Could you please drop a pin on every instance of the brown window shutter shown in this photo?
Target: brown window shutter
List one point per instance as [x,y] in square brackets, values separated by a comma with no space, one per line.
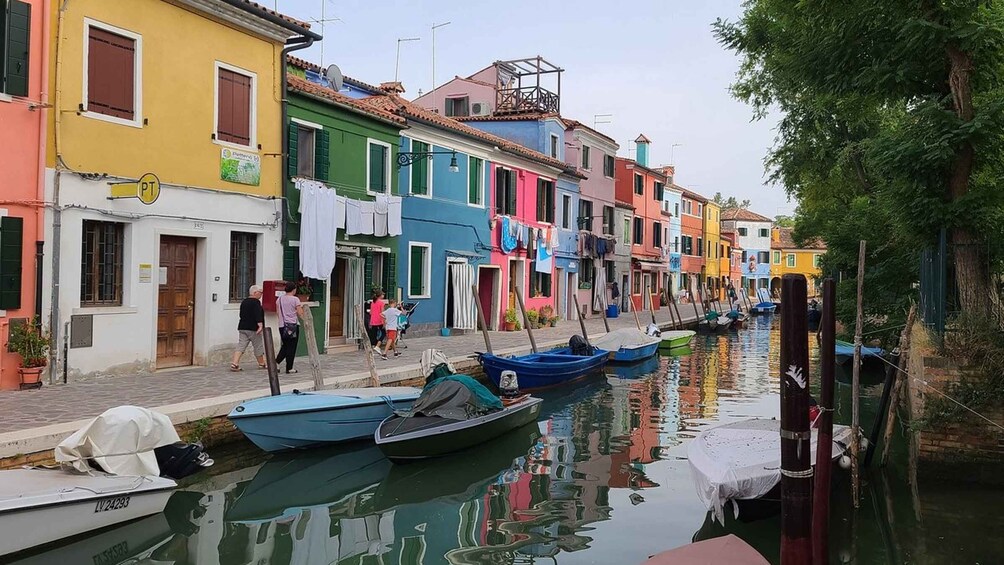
[110,74]
[234,121]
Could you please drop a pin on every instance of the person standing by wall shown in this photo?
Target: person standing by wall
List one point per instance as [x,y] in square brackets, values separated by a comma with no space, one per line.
[392,319]
[289,308]
[249,329]
[376,329]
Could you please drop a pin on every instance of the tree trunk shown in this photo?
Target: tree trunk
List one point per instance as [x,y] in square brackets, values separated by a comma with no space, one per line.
[971,275]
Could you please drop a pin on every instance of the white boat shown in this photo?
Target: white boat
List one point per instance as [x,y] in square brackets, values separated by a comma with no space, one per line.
[741,461]
[42,505]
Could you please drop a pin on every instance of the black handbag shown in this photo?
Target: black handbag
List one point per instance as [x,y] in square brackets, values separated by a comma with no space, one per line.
[287,331]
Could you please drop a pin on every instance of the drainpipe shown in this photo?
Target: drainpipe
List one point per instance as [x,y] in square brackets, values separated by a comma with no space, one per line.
[54,328]
[43,124]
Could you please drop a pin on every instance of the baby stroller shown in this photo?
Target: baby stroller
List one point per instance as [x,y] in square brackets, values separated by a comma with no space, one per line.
[404,322]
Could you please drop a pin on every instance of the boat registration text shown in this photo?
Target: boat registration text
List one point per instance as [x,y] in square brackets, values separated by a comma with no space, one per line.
[111,504]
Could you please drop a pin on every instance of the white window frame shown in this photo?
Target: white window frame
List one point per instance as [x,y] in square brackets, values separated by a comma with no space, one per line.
[555,149]
[775,257]
[790,260]
[427,278]
[253,144]
[761,230]
[316,128]
[390,183]
[137,88]
[481,182]
[432,162]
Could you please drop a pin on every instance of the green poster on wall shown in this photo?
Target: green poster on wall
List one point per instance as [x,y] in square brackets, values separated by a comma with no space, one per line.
[240,167]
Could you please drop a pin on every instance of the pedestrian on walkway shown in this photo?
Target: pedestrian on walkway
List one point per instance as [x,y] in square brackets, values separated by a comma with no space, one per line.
[249,329]
[392,321]
[289,309]
[376,328]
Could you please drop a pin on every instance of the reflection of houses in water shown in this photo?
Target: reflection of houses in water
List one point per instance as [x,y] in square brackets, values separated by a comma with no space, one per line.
[709,382]
[647,403]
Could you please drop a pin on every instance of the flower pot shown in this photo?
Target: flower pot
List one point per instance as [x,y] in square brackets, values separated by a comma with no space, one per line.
[510,326]
[554,323]
[31,377]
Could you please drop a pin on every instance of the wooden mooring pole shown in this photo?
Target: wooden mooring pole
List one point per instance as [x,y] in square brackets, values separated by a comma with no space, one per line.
[481,319]
[796,472]
[582,323]
[367,348]
[526,320]
[651,304]
[313,355]
[856,383]
[271,366]
[821,486]
[904,359]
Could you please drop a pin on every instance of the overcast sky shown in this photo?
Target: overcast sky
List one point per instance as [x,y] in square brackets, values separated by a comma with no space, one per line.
[653,64]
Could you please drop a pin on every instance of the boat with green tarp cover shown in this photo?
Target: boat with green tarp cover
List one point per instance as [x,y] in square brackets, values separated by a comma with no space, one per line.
[453,412]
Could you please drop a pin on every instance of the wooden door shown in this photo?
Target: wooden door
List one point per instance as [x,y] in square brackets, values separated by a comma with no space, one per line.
[176,303]
[515,274]
[336,293]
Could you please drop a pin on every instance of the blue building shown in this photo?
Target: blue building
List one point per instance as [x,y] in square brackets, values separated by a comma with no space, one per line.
[672,199]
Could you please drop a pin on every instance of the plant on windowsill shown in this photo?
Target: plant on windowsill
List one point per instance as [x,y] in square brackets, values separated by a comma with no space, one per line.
[510,319]
[31,342]
[304,289]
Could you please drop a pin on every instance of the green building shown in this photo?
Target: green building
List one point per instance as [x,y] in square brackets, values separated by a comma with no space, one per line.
[352,148]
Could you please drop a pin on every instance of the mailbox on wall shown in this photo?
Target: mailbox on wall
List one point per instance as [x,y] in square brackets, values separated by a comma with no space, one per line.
[271,290]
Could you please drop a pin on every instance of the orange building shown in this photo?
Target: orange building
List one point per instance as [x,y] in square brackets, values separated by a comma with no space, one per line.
[644,188]
[692,240]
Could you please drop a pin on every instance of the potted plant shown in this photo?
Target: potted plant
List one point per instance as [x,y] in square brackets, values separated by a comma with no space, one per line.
[510,319]
[546,311]
[304,289]
[554,321]
[31,342]
[534,318]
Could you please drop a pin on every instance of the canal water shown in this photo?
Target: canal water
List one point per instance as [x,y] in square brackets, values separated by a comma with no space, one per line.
[602,478]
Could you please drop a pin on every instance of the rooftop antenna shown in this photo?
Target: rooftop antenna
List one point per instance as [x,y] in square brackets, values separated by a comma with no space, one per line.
[672,151]
[397,62]
[602,119]
[324,19]
[434,28]
[334,76]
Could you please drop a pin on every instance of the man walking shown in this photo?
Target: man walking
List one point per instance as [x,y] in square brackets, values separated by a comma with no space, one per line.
[249,329]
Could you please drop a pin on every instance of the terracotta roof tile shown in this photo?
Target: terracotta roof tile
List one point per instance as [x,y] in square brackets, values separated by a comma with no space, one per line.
[305,86]
[786,241]
[634,164]
[575,124]
[527,117]
[307,65]
[642,139]
[289,19]
[692,195]
[397,105]
[743,214]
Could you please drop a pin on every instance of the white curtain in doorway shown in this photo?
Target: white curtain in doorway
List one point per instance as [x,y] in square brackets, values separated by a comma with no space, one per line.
[353,296]
[461,281]
[599,288]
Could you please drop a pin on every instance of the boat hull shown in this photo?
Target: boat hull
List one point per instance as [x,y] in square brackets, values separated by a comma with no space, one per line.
[624,355]
[315,424]
[453,435]
[678,338]
[542,370]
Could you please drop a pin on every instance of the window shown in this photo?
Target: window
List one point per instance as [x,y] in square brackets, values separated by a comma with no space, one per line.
[816,260]
[540,283]
[378,166]
[585,157]
[112,74]
[742,231]
[627,231]
[676,244]
[419,269]
[608,221]
[15,29]
[545,200]
[700,247]
[791,259]
[688,245]
[505,191]
[688,207]
[636,282]
[777,257]
[421,170]
[587,273]
[700,209]
[475,181]
[586,215]
[554,146]
[763,257]
[639,184]
[659,191]
[639,231]
[656,234]
[744,257]
[608,166]
[101,263]
[764,232]
[11,247]
[608,266]
[676,209]
[304,152]
[235,103]
[457,106]
[243,264]
[566,211]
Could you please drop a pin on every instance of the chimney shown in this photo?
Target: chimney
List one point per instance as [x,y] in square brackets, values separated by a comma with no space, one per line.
[641,150]
[392,87]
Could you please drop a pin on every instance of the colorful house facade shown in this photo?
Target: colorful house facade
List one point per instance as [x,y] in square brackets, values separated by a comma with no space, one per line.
[802,258]
[23,115]
[712,249]
[731,262]
[753,231]
[691,240]
[672,202]
[623,222]
[645,189]
[164,164]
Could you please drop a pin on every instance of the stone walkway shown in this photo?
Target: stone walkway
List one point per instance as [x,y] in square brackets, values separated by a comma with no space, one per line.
[50,409]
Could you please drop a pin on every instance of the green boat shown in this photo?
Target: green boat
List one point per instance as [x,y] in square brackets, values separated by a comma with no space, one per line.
[676,338]
[452,414]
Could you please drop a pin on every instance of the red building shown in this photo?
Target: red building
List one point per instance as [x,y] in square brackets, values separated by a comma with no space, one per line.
[692,239]
[644,188]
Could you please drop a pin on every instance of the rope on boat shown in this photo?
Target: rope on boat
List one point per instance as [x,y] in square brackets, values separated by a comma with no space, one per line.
[797,474]
[931,387]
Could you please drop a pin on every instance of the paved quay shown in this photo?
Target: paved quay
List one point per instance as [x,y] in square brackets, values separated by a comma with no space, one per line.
[37,420]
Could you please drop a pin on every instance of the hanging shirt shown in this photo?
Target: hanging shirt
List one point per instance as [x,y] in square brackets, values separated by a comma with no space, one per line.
[353,217]
[508,238]
[317,229]
[380,212]
[366,212]
[394,215]
[339,212]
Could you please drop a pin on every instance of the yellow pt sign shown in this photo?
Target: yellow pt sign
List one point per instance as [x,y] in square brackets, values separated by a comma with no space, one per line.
[146,189]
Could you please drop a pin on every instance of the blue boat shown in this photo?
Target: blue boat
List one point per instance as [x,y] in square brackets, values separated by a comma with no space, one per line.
[766,305]
[624,371]
[542,370]
[628,345]
[844,352]
[299,420]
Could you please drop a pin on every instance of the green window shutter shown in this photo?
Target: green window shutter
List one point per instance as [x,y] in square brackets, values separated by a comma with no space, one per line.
[322,142]
[16,44]
[420,169]
[417,263]
[368,282]
[390,274]
[378,166]
[291,152]
[11,235]
[475,173]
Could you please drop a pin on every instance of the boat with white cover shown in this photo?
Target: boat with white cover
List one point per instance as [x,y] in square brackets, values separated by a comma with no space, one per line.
[741,461]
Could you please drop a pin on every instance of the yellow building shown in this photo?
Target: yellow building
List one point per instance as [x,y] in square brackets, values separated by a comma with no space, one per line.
[713,248]
[165,152]
[788,257]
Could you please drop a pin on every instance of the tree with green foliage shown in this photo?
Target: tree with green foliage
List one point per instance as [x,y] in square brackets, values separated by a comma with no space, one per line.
[891,130]
[730,202]
[784,221]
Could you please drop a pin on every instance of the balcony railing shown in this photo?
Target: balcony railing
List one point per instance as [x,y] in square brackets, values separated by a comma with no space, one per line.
[526,99]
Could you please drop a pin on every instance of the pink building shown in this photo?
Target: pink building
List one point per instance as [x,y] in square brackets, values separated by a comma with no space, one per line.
[23,116]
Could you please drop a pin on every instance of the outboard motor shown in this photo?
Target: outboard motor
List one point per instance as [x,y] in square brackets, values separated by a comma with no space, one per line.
[578,346]
[179,460]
